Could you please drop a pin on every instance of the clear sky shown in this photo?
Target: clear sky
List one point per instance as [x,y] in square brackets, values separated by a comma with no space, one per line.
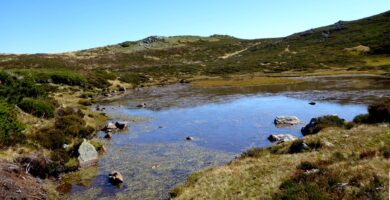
[37,26]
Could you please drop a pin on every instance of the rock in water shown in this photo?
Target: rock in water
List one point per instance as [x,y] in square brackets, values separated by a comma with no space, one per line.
[142,105]
[110,127]
[279,138]
[87,154]
[286,120]
[108,136]
[115,178]
[121,125]
[189,138]
[312,103]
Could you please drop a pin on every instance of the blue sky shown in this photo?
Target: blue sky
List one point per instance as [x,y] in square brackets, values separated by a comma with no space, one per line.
[37,26]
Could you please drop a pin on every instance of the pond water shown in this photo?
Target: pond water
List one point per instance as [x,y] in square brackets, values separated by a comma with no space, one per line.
[154,155]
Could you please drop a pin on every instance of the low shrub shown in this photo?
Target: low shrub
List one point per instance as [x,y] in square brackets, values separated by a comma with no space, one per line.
[298,146]
[14,88]
[379,112]
[367,154]
[360,119]
[316,185]
[372,190]
[253,153]
[68,78]
[133,78]
[37,107]
[10,128]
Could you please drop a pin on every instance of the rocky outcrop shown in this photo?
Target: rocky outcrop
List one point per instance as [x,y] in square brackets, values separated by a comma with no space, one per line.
[280,138]
[115,177]
[87,154]
[286,120]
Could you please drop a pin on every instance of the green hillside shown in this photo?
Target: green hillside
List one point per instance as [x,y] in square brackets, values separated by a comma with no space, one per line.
[354,45]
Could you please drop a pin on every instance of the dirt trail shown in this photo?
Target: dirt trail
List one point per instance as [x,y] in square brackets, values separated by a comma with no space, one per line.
[228,55]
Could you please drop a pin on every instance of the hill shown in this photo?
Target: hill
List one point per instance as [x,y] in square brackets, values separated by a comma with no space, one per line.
[361,45]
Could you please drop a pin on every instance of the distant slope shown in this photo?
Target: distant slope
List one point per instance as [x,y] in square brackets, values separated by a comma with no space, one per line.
[333,46]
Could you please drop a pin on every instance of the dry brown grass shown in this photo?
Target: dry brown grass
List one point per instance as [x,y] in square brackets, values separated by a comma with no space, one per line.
[260,177]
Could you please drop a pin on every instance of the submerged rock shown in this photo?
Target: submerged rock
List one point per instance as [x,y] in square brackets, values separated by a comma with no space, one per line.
[279,138]
[286,120]
[115,178]
[87,154]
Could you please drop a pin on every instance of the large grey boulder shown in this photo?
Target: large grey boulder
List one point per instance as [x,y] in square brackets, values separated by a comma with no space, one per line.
[280,138]
[87,154]
[286,120]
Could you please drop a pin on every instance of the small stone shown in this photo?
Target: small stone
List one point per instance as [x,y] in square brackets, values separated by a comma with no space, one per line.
[280,138]
[108,136]
[328,144]
[312,171]
[115,178]
[121,125]
[312,103]
[189,138]
[142,105]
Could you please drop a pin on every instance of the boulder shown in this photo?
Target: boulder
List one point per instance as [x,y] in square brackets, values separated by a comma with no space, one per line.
[121,125]
[280,138]
[115,178]
[286,120]
[87,154]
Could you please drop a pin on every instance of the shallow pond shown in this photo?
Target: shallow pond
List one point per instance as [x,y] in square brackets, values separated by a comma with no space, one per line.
[154,156]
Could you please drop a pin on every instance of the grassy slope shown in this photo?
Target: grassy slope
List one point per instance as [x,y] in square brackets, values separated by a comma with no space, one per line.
[260,176]
[189,56]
